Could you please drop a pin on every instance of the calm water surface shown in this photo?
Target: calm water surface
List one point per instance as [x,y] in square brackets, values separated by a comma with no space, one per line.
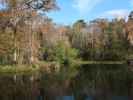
[91,82]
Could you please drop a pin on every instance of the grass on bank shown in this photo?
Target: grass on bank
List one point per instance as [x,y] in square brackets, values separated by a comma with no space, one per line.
[18,69]
[23,69]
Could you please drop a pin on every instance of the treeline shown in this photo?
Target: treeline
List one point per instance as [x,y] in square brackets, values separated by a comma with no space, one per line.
[28,37]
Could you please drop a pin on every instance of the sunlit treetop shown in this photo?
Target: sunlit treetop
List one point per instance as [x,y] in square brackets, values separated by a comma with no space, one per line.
[131,15]
[44,5]
[25,7]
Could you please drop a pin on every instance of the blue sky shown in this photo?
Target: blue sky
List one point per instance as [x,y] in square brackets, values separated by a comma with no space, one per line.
[72,10]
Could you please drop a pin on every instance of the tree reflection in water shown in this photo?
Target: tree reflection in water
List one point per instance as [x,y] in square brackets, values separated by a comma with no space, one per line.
[93,82]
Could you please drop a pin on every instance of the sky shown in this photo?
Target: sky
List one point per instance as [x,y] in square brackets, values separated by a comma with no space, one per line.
[72,10]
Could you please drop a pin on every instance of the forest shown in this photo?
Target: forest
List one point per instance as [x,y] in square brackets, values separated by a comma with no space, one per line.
[26,37]
[30,41]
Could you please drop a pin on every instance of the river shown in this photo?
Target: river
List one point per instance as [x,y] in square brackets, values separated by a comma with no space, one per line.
[91,82]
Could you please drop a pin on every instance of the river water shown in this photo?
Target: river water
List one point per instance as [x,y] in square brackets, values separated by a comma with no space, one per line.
[90,82]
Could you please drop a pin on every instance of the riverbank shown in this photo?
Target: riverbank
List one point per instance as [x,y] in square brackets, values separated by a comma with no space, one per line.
[47,66]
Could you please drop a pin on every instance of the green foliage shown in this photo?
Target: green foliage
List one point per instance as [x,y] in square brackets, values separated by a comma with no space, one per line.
[61,53]
[115,48]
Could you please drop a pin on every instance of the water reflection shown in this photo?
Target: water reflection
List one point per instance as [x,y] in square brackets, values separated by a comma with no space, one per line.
[65,98]
[91,83]
[91,98]
[120,98]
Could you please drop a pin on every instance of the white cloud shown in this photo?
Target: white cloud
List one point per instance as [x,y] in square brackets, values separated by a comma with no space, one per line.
[117,13]
[85,6]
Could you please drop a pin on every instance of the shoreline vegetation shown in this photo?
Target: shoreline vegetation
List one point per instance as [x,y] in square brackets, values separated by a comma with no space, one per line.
[36,67]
